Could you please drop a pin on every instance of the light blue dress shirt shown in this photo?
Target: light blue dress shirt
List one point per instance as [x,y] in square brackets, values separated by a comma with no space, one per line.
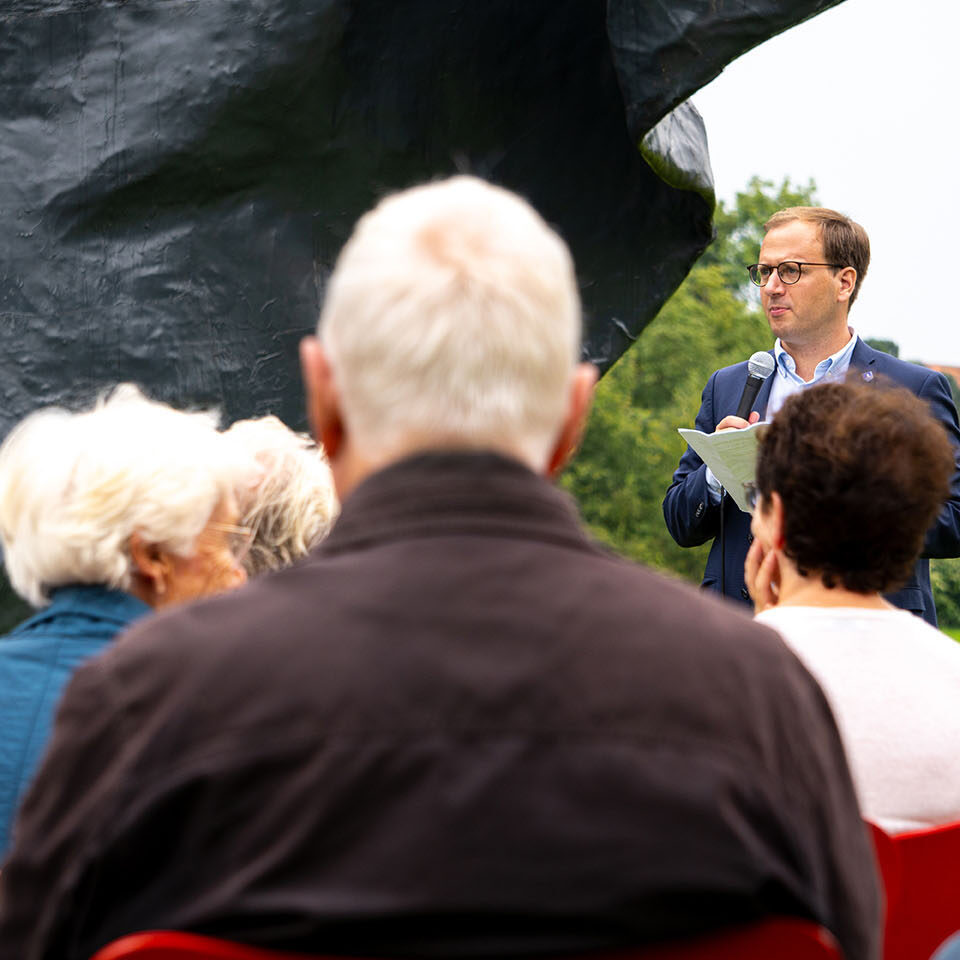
[787,381]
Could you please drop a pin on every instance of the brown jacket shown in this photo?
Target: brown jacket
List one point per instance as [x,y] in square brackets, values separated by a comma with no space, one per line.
[458,730]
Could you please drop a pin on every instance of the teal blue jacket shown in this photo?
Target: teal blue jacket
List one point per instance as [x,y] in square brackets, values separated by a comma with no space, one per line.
[36,661]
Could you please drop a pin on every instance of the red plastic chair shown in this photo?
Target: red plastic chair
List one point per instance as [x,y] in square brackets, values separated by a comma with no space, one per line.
[171,945]
[919,871]
[776,939]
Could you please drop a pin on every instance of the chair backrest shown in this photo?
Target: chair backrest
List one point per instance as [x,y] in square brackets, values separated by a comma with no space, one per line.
[173,945]
[920,880]
[780,938]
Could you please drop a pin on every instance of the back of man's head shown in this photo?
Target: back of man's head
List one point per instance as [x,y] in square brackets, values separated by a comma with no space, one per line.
[452,319]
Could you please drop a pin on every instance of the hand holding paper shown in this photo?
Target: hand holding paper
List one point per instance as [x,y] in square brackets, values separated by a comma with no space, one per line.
[731,455]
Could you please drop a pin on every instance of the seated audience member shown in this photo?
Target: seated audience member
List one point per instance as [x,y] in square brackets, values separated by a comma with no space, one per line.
[457,728]
[849,477]
[104,515]
[292,504]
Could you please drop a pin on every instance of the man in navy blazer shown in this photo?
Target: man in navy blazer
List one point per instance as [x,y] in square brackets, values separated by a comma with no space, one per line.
[812,262]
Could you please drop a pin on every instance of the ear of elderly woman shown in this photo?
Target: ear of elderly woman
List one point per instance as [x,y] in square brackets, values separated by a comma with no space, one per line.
[104,515]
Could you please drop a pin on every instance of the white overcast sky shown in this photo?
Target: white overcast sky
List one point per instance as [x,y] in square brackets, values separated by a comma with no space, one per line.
[862,98]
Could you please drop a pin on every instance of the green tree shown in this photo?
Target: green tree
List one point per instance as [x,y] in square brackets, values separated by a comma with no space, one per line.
[945,580]
[631,446]
[739,228]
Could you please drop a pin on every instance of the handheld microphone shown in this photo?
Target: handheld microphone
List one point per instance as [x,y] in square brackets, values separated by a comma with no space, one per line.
[759,367]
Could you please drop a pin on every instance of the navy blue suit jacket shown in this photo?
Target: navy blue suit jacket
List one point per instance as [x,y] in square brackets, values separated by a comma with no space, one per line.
[693,517]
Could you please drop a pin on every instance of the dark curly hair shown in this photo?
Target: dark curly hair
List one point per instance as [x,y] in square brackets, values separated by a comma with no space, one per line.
[862,472]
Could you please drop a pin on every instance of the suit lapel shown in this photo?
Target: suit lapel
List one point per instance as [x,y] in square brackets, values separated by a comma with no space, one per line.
[863,360]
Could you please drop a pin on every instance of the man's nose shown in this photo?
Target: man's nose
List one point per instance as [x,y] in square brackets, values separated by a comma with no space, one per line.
[774,283]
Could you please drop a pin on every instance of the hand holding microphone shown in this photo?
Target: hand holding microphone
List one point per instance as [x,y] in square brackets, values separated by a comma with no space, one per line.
[759,367]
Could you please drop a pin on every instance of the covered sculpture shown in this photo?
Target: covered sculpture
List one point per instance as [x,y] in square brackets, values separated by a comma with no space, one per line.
[177,178]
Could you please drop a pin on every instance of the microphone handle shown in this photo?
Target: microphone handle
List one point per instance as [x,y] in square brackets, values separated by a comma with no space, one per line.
[750,390]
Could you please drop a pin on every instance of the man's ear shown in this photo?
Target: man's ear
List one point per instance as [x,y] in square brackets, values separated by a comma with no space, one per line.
[323,404]
[581,398]
[848,283]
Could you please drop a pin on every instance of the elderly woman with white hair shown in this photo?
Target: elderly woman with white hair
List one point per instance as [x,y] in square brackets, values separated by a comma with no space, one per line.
[291,505]
[105,515]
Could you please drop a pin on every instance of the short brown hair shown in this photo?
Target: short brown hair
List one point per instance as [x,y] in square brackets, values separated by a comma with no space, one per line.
[844,240]
[862,471]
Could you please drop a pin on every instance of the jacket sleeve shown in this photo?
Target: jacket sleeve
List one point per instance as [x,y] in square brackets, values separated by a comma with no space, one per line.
[691,512]
[943,538]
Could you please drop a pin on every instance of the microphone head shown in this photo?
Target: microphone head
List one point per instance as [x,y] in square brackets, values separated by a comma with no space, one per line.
[761,365]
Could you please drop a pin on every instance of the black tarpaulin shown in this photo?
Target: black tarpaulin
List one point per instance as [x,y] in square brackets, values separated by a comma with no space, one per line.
[177,176]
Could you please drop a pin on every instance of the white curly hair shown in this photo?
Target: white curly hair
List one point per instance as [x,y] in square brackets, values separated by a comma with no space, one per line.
[74,487]
[292,504]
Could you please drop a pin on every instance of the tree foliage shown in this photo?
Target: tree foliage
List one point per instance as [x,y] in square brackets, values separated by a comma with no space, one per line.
[739,228]
[945,580]
[631,446]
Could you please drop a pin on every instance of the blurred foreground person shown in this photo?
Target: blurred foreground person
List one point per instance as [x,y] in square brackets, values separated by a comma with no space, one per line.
[291,505]
[458,728]
[849,479]
[104,515]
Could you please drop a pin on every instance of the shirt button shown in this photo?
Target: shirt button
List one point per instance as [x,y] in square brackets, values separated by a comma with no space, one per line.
[699,511]
[745,593]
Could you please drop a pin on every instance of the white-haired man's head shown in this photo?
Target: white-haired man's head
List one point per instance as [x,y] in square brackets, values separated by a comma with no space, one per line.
[76,489]
[291,506]
[452,319]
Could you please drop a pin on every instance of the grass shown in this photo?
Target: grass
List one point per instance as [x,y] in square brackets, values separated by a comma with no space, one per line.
[952,632]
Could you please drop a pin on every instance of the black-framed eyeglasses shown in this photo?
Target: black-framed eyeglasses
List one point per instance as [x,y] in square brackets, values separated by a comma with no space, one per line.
[789,271]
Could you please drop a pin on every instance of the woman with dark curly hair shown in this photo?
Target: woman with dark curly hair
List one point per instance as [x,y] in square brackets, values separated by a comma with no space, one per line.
[849,478]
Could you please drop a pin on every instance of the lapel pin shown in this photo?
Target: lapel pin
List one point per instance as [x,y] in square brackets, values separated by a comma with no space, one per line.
[867,375]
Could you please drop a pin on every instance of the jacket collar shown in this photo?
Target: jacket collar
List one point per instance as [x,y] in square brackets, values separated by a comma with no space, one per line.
[445,492]
[92,600]
[862,358]
[864,355]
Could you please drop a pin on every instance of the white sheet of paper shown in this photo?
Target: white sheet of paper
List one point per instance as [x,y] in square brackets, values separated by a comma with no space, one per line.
[731,455]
